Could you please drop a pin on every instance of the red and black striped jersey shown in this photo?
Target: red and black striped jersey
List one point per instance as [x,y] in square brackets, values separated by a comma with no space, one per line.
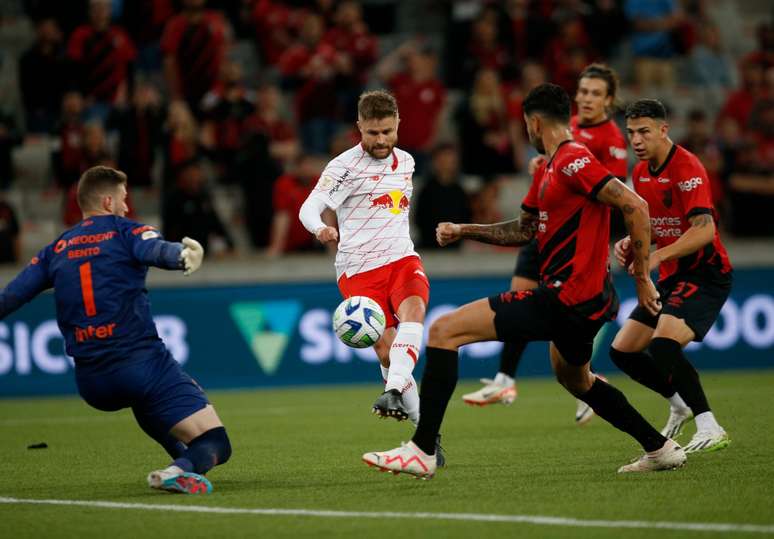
[573,230]
[678,190]
[605,141]
[103,58]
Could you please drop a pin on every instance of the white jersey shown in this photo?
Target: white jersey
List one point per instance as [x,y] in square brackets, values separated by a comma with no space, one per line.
[371,198]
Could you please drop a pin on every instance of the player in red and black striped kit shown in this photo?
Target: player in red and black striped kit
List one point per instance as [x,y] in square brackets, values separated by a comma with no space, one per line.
[593,127]
[568,210]
[694,275]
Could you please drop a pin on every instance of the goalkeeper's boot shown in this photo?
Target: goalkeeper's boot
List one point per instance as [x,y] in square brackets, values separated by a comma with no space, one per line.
[678,417]
[173,479]
[407,458]
[705,441]
[390,404]
[668,457]
[500,390]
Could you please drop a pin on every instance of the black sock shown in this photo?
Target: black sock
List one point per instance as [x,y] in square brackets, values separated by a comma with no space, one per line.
[510,357]
[438,383]
[612,406]
[668,354]
[641,368]
[171,445]
[205,451]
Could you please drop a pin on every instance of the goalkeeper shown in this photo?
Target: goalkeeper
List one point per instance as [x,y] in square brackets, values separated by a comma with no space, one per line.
[97,270]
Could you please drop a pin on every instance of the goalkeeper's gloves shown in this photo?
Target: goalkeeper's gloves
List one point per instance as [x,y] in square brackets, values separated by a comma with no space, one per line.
[191,255]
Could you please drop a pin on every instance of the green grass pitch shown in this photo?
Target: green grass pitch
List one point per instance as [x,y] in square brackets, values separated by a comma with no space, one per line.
[301,448]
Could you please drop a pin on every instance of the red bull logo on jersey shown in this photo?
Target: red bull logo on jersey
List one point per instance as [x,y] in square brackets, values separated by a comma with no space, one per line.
[395,201]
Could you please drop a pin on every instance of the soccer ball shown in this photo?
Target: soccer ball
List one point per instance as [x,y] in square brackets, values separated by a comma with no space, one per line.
[358,321]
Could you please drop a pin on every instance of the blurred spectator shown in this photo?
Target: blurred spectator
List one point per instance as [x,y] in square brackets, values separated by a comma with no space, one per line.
[188,210]
[309,67]
[653,22]
[226,109]
[258,171]
[275,27]
[532,74]
[68,153]
[182,139]
[194,45]
[140,131]
[739,103]
[356,48]
[484,129]
[568,54]
[43,77]
[290,192]
[268,119]
[10,242]
[486,210]
[441,197]
[10,136]
[94,151]
[528,30]
[410,73]
[145,20]
[606,25]
[95,147]
[68,14]
[343,140]
[698,139]
[764,54]
[102,53]
[751,184]
[708,65]
[484,50]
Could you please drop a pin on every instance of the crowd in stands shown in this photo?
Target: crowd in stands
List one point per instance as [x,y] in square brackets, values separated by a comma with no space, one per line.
[162,90]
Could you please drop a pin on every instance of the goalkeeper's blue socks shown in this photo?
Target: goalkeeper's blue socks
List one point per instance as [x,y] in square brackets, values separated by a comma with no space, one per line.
[205,451]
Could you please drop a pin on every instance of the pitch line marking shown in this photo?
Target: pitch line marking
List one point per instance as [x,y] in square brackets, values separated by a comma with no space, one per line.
[468,517]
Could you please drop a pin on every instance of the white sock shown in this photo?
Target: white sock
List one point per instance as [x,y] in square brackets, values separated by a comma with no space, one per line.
[404,354]
[385,372]
[676,401]
[707,421]
[504,380]
[411,400]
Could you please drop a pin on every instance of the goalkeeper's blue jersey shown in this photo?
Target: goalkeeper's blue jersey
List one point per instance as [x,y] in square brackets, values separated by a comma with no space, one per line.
[97,270]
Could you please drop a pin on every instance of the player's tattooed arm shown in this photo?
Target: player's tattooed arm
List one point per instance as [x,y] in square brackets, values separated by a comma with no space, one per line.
[508,233]
[701,233]
[637,219]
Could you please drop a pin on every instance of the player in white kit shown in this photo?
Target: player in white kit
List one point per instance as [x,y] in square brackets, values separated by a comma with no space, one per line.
[369,187]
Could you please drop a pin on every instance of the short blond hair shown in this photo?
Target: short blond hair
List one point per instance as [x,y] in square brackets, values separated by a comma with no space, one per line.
[95,183]
[376,104]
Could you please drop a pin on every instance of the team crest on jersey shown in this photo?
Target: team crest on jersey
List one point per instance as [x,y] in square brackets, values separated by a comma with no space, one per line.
[395,201]
[644,179]
[667,198]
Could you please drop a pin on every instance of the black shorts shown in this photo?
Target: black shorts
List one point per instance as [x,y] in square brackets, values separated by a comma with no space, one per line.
[538,315]
[527,262]
[695,297]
